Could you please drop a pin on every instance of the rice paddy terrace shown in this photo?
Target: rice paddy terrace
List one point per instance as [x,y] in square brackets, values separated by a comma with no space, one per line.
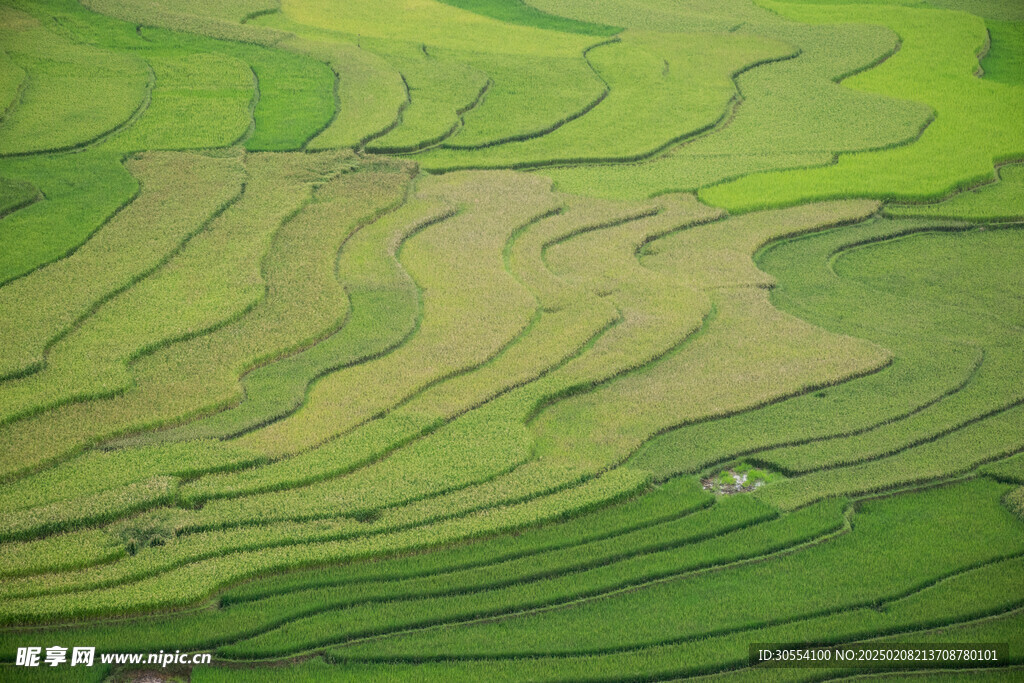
[501,340]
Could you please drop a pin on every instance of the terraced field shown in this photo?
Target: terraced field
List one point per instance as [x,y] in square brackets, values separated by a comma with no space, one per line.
[509,340]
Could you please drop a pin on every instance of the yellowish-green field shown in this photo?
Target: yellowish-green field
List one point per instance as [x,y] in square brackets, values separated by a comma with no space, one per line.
[509,339]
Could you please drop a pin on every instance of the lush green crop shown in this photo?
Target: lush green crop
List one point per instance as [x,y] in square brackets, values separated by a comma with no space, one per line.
[1015,501]
[368,94]
[663,71]
[670,501]
[690,542]
[51,299]
[659,15]
[549,472]
[220,88]
[15,194]
[718,654]
[423,339]
[518,12]
[966,377]
[235,10]
[536,478]
[298,271]
[79,674]
[189,580]
[723,653]
[78,194]
[221,268]
[542,581]
[935,65]
[528,96]
[433,23]
[207,92]
[907,270]
[295,99]
[384,303]
[440,91]
[1004,62]
[230,20]
[12,80]
[60,551]
[876,562]
[520,397]
[1010,469]
[998,201]
[778,123]
[461,326]
[72,93]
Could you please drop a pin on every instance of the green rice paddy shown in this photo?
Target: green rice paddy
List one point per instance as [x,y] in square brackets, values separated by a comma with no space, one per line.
[510,339]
